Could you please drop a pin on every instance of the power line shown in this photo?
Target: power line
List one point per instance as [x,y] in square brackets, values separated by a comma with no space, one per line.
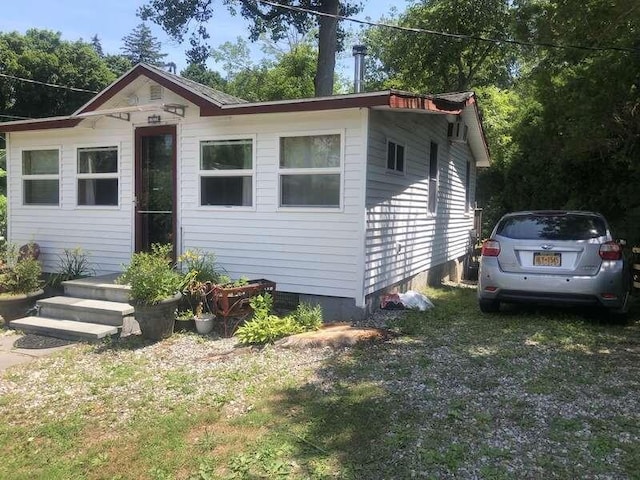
[446,34]
[15,116]
[65,87]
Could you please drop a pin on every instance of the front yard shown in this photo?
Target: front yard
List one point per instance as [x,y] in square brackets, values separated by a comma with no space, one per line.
[523,394]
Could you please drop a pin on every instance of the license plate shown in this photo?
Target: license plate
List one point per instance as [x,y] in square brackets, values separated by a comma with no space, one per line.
[547,259]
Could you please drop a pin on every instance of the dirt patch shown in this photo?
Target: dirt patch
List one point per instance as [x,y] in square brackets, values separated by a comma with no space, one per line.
[337,335]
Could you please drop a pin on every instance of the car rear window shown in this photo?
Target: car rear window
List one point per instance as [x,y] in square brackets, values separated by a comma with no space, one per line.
[552,227]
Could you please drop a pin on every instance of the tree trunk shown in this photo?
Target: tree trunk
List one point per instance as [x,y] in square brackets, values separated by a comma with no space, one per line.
[327,45]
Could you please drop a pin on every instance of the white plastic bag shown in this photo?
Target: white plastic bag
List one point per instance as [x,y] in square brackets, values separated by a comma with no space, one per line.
[412,299]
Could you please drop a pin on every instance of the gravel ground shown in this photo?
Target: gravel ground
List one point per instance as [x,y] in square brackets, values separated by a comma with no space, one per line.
[456,402]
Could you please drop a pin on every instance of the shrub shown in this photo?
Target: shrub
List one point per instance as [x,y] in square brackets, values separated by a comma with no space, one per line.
[265,327]
[20,274]
[308,317]
[151,276]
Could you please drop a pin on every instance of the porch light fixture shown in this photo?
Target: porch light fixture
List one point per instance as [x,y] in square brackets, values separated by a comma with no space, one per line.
[154,119]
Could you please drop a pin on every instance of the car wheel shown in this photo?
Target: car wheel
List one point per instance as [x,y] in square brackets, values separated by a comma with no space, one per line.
[489,306]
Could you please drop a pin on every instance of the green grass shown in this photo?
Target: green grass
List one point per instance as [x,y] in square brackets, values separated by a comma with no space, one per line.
[526,393]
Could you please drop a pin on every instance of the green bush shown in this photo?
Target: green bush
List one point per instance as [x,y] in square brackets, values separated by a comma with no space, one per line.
[19,274]
[308,317]
[151,275]
[265,327]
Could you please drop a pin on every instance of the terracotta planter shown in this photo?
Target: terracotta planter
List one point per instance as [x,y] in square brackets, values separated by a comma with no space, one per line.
[157,321]
[17,306]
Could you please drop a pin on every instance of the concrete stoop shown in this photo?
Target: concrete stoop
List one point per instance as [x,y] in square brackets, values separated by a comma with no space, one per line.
[91,309]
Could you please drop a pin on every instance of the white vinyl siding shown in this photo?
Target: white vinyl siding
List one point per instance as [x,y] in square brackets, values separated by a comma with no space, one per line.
[307,250]
[403,238]
[105,232]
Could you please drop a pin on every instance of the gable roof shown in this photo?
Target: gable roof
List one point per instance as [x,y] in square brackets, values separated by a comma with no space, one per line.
[213,102]
[195,92]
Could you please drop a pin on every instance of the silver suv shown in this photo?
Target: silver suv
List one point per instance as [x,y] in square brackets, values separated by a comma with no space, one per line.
[553,257]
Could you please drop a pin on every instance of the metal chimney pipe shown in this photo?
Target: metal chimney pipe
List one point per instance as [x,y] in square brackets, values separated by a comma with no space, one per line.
[359,52]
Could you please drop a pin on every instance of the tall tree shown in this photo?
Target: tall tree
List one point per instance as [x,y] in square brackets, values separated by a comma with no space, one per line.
[579,137]
[290,75]
[175,17]
[201,74]
[97,45]
[43,56]
[420,61]
[140,46]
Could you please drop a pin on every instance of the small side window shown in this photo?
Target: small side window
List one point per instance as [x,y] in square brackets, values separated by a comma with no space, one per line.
[395,156]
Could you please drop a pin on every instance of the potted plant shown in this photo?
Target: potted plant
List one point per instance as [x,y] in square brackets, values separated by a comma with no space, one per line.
[20,283]
[185,321]
[202,274]
[203,319]
[155,290]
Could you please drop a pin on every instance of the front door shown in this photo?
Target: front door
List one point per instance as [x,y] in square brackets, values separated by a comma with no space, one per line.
[155,182]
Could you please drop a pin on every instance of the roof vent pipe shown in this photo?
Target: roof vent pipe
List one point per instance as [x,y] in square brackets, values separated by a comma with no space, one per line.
[359,52]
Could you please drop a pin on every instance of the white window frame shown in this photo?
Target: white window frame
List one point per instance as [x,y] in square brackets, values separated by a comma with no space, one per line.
[404,157]
[50,176]
[245,172]
[95,176]
[311,171]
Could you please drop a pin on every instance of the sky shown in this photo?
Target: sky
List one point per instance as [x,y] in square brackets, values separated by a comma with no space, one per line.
[111,20]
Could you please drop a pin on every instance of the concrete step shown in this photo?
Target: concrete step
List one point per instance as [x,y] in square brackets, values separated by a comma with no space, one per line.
[85,310]
[65,329]
[97,288]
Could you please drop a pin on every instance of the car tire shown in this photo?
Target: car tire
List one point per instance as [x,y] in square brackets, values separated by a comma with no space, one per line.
[489,306]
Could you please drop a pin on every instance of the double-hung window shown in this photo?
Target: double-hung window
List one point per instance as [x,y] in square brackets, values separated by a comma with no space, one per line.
[226,172]
[310,171]
[97,173]
[40,177]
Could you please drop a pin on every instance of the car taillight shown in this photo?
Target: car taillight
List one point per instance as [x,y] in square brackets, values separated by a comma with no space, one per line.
[490,248]
[610,251]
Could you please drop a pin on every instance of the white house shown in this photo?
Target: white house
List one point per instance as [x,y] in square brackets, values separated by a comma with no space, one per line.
[336,199]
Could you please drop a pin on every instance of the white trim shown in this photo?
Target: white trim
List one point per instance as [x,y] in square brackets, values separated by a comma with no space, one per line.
[49,176]
[229,173]
[342,133]
[361,258]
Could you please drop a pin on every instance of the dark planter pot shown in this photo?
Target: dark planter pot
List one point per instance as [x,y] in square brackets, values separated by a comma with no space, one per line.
[157,321]
[185,325]
[17,306]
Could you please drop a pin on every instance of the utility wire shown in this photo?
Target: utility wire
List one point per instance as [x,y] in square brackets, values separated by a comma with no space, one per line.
[15,116]
[65,87]
[446,34]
